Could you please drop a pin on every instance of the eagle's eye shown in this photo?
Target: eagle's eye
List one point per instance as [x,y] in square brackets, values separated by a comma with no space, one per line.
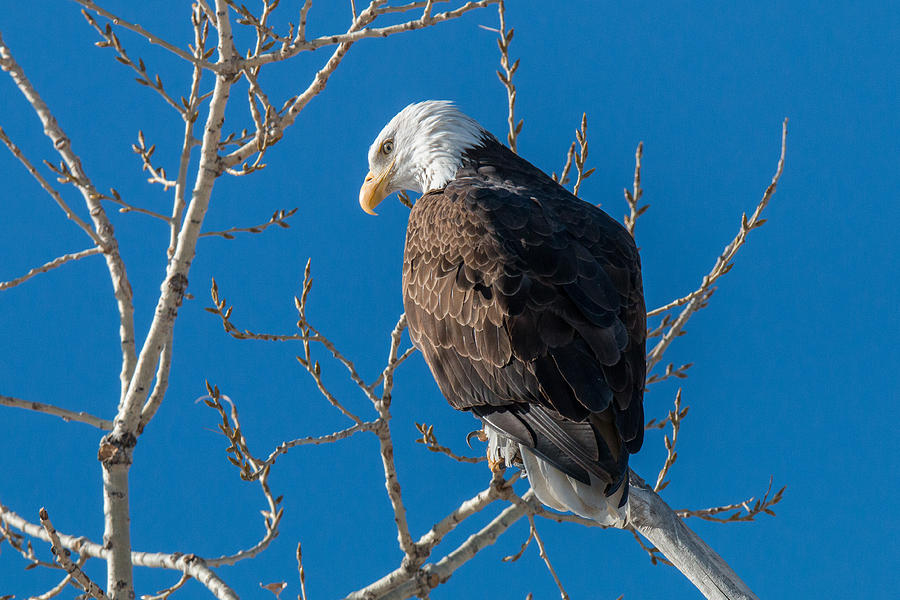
[387,147]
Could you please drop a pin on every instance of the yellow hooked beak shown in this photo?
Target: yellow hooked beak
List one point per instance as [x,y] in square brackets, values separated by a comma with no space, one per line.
[373,189]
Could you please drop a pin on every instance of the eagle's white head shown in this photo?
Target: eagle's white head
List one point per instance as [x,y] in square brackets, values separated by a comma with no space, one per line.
[419,150]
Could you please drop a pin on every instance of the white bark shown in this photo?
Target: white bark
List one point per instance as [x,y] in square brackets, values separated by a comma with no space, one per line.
[653,518]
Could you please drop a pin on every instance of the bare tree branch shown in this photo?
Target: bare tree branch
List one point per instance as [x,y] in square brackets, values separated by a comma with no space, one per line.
[506,77]
[581,155]
[56,262]
[279,217]
[164,594]
[674,417]
[546,559]
[633,197]
[102,226]
[153,39]
[47,187]
[563,177]
[740,511]
[401,584]
[682,547]
[696,299]
[359,30]
[239,454]
[189,564]
[62,413]
[127,208]
[145,375]
[62,557]
[200,22]
[356,32]
[64,582]
[111,40]
[430,441]
[671,371]
[311,440]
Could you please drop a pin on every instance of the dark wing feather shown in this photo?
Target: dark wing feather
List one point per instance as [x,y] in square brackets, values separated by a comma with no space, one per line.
[528,307]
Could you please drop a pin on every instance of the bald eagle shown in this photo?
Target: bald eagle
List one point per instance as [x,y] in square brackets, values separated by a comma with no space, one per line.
[526,303]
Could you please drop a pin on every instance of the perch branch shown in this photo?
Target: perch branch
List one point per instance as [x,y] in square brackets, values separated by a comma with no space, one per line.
[682,547]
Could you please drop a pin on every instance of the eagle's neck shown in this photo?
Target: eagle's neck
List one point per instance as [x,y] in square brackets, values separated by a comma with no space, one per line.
[439,163]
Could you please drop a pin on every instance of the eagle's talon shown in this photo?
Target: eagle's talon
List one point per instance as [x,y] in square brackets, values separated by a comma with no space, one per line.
[478,434]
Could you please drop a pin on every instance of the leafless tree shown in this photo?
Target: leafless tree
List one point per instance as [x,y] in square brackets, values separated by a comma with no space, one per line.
[214,55]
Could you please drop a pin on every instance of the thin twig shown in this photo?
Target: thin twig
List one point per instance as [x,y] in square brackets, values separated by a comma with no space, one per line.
[430,440]
[190,564]
[153,39]
[655,554]
[359,31]
[64,414]
[543,553]
[525,544]
[563,178]
[240,455]
[671,371]
[164,594]
[506,77]
[62,556]
[581,155]
[674,417]
[633,197]
[743,511]
[56,262]
[157,174]
[310,440]
[111,40]
[301,572]
[103,231]
[697,299]
[279,217]
[49,189]
[126,208]
[64,582]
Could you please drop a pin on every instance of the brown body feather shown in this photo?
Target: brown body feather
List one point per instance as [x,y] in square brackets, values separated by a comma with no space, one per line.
[528,307]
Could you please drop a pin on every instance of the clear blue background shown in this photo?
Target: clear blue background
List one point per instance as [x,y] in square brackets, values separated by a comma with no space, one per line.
[794,358]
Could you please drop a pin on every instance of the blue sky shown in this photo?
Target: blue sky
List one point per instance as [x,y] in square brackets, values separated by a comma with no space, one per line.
[792,359]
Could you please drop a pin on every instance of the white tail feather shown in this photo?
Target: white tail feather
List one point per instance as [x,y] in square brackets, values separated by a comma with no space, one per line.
[557,490]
